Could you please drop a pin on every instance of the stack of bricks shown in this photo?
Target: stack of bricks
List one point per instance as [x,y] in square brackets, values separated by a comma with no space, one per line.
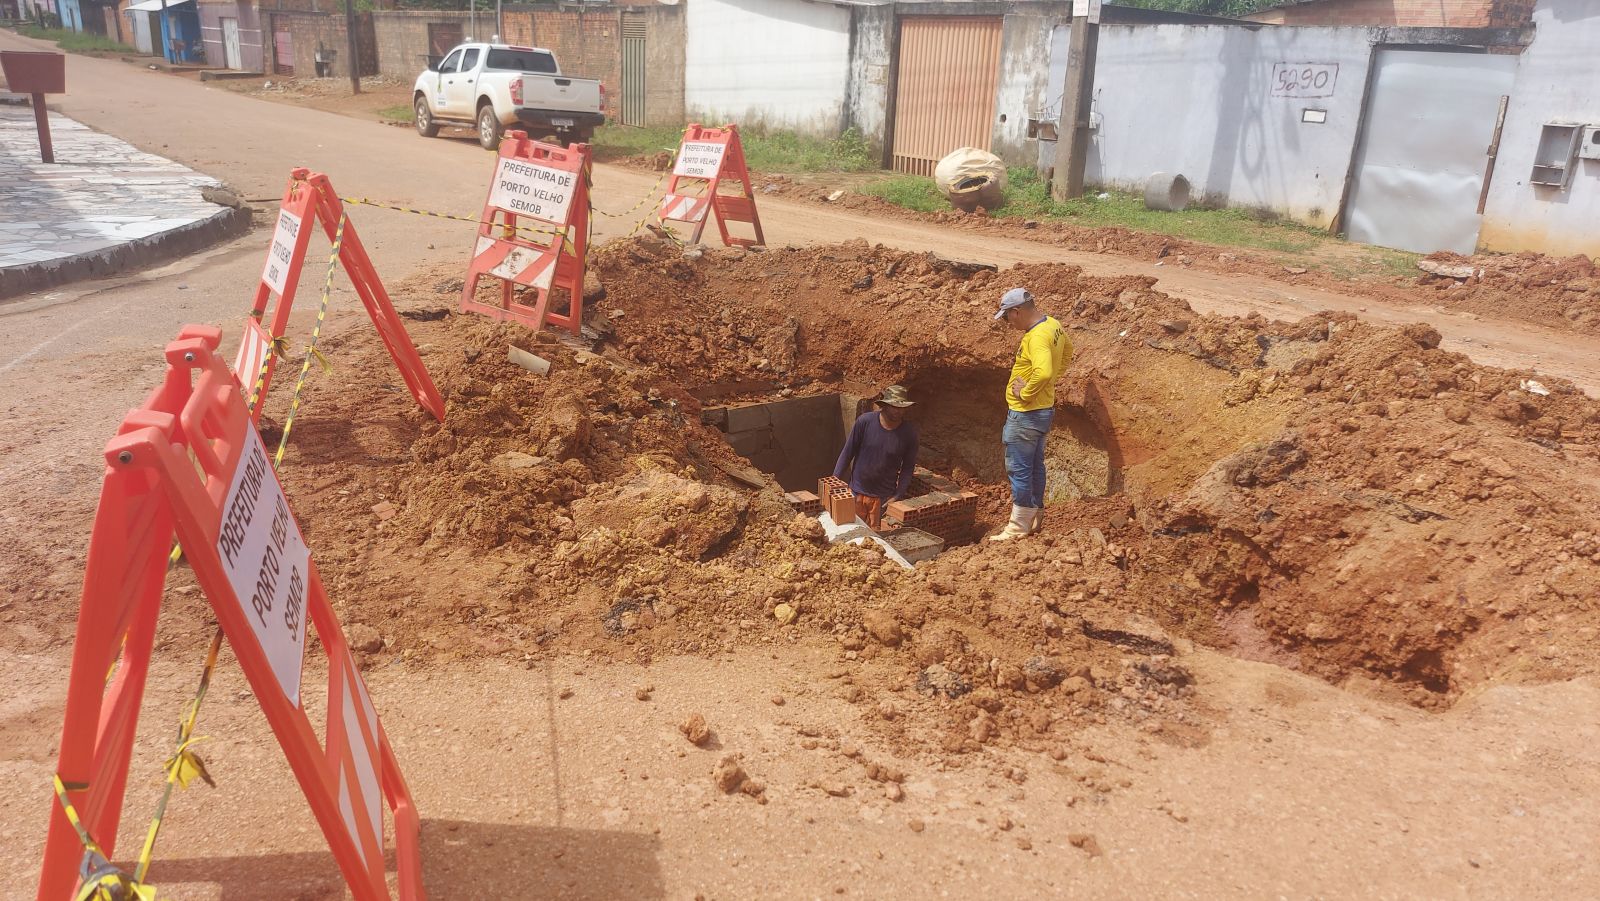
[804,502]
[943,510]
[837,499]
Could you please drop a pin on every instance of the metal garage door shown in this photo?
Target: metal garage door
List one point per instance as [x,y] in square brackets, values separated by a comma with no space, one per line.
[635,32]
[944,96]
[1430,120]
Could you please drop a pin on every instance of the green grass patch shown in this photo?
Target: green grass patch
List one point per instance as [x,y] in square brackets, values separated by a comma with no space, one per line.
[1028,197]
[400,113]
[776,151]
[75,41]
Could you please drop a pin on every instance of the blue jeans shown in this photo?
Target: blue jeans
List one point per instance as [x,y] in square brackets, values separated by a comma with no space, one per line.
[1024,439]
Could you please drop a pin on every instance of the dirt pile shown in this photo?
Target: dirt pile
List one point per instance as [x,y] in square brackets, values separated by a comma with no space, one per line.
[1563,291]
[1554,292]
[1334,497]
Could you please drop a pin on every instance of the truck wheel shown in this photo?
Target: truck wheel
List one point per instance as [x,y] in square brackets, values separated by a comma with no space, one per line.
[425,124]
[488,128]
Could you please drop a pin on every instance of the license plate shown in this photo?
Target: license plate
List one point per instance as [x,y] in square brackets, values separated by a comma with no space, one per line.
[562,123]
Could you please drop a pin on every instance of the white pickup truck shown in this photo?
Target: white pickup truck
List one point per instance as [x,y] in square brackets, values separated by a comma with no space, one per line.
[491,86]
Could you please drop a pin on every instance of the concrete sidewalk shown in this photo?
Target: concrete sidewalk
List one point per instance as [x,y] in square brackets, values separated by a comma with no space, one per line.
[103,207]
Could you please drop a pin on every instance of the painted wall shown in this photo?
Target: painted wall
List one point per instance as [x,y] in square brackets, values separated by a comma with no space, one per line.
[1025,76]
[871,56]
[180,34]
[1206,101]
[781,64]
[71,15]
[250,43]
[1556,81]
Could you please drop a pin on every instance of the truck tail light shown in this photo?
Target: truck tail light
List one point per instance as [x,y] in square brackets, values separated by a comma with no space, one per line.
[602,95]
[516,91]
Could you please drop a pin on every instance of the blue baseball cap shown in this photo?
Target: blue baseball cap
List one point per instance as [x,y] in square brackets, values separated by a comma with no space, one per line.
[1012,299]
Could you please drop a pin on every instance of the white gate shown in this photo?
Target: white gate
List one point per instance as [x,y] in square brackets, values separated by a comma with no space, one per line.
[1424,149]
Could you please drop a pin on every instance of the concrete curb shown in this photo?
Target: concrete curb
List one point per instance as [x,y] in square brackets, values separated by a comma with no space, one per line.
[139,253]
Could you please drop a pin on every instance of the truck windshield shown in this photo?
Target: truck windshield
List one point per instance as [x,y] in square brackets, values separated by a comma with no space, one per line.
[522,61]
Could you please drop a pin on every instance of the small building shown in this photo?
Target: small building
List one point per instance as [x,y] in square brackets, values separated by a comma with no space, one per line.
[167,28]
[231,33]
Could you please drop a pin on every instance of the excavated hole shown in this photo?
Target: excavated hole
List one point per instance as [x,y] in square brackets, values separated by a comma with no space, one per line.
[962,414]
[797,440]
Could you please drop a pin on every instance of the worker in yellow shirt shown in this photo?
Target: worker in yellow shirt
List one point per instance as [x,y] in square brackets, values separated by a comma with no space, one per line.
[1031,396]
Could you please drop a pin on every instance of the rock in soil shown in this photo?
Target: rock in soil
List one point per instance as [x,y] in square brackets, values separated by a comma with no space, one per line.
[695,729]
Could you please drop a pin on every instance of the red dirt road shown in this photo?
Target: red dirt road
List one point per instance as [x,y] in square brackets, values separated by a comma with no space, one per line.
[1302,789]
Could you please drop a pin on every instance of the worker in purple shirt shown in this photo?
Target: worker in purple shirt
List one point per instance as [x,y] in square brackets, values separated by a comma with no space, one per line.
[880,455]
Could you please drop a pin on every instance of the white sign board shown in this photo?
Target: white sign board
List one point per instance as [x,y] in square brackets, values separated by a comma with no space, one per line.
[276,275]
[529,189]
[267,563]
[699,159]
[1304,79]
[1089,8]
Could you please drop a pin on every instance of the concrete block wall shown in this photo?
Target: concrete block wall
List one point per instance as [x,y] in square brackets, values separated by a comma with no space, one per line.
[401,36]
[587,42]
[797,439]
[664,60]
[310,30]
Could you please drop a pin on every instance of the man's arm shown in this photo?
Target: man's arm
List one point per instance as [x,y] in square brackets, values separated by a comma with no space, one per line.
[1036,349]
[847,456]
[908,467]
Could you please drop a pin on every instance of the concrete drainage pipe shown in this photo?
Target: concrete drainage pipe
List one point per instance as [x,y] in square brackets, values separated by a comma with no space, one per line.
[1166,192]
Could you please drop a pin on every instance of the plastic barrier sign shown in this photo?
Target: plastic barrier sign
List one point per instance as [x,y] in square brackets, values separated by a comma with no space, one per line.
[189,463]
[529,189]
[700,159]
[707,159]
[309,198]
[281,253]
[267,562]
[254,347]
[533,235]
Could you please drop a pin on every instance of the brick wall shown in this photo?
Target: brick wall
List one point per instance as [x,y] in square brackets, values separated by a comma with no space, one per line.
[1418,13]
[402,36]
[587,43]
[308,31]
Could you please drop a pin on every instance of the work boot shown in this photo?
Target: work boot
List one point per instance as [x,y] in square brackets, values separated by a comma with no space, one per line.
[1021,524]
[1036,524]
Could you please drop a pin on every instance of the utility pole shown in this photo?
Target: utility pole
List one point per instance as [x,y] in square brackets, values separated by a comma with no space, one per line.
[350,39]
[1072,130]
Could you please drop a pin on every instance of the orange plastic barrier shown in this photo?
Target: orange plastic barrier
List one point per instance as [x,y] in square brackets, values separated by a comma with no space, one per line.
[310,197]
[190,462]
[545,188]
[711,155]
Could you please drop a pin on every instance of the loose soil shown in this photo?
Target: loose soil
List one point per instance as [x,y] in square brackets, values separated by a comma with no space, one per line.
[1324,495]
[1554,292]
[559,763]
